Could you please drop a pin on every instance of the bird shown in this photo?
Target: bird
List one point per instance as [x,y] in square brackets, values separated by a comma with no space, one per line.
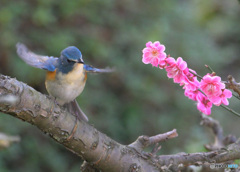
[66,76]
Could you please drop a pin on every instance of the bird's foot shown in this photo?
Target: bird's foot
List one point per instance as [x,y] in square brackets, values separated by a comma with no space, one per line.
[53,105]
[73,130]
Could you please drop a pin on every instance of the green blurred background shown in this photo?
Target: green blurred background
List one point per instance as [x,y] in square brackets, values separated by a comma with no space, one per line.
[138,99]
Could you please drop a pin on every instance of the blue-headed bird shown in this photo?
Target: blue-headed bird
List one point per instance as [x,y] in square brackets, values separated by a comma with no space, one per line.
[66,76]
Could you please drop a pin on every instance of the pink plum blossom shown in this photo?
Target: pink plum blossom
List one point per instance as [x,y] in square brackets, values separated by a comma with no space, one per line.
[210,90]
[204,105]
[222,98]
[192,82]
[175,69]
[191,94]
[162,64]
[154,54]
[211,85]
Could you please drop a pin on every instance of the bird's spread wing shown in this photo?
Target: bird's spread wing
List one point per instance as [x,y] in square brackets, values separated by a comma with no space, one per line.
[38,61]
[91,69]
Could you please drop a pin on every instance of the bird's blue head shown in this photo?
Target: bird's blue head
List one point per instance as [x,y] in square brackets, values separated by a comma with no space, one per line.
[69,57]
[72,54]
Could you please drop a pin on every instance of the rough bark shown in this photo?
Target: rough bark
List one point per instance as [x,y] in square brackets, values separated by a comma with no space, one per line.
[98,150]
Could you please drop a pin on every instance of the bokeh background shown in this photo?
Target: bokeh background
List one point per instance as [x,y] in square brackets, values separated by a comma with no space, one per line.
[137,99]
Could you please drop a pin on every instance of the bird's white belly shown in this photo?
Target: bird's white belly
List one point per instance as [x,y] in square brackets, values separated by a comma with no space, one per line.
[67,87]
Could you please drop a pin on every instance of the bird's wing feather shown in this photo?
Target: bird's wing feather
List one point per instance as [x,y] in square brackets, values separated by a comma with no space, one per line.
[35,60]
[92,69]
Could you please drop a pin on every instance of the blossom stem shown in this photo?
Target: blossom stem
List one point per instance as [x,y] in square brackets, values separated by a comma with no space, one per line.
[236,96]
[207,66]
[225,107]
[230,110]
[196,74]
[202,92]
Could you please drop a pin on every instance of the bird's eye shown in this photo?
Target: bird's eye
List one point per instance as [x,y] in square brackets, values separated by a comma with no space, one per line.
[69,61]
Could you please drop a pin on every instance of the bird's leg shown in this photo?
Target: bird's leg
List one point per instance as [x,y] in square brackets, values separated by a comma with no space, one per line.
[78,116]
[74,129]
[53,106]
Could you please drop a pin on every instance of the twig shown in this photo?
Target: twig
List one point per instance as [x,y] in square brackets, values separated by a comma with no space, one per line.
[210,69]
[220,141]
[223,106]
[231,110]
[156,149]
[200,77]
[145,141]
[217,156]
[217,131]
[236,96]
[232,84]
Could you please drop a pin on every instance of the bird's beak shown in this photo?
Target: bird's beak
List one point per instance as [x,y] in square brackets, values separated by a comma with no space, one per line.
[81,61]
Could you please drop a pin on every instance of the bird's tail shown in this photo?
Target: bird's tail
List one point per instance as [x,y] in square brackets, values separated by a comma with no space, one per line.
[75,109]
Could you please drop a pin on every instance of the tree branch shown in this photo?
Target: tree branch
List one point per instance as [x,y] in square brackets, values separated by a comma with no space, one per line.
[232,152]
[25,103]
[99,151]
[145,141]
[219,140]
